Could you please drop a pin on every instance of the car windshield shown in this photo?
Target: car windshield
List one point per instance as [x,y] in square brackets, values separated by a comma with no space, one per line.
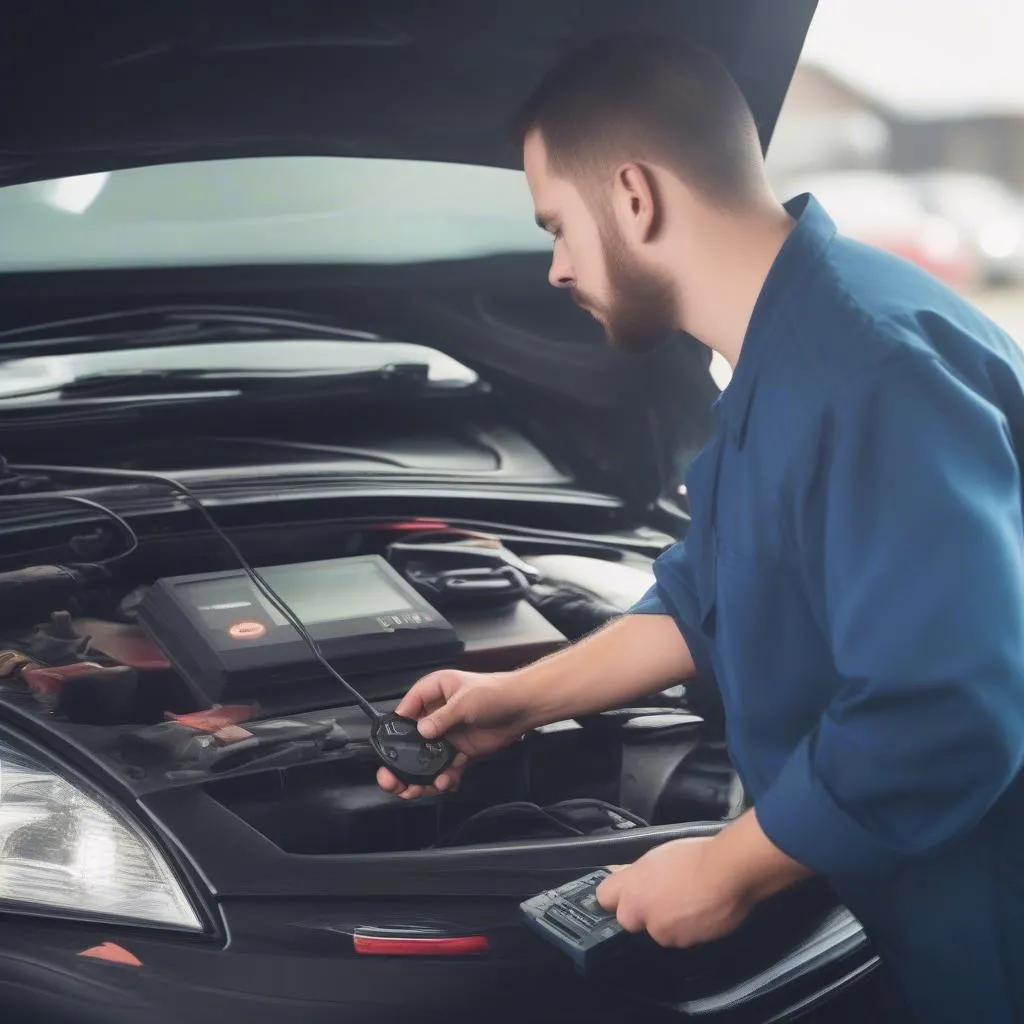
[267,210]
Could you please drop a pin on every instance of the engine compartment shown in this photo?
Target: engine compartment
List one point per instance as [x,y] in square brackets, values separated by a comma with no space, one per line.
[88,682]
[635,770]
[275,814]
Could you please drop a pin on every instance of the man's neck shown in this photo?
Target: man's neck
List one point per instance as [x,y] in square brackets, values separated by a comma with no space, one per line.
[728,260]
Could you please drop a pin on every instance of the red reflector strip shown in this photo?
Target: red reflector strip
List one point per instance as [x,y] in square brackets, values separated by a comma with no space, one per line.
[414,524]
[461,945]
[113,953]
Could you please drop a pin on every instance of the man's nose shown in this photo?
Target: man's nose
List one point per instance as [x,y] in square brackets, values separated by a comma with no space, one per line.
[560,275]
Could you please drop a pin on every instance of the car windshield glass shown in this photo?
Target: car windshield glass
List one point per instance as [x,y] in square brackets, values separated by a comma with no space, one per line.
[267,210]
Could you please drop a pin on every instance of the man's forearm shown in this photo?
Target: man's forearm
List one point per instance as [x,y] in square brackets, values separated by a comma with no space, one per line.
[629,659]
[751,862]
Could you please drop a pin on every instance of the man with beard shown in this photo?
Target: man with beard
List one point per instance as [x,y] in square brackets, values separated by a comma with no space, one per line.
[853,576]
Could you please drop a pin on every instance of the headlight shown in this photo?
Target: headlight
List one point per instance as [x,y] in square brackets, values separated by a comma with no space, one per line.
[63,849]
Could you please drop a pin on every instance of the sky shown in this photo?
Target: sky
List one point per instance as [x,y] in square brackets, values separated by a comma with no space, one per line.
[927,57]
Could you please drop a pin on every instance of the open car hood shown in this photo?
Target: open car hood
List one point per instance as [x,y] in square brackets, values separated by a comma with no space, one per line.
[112,84]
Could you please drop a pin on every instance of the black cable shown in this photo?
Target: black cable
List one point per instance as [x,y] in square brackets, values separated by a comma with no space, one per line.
[254,576]
[130,537]
[508,810]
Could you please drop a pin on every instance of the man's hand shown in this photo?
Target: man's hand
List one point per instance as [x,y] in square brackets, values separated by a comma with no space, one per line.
[676,895]
[692,891]
[477,713]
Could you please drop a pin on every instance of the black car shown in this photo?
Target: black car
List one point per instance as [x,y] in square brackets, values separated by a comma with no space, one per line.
[283,254]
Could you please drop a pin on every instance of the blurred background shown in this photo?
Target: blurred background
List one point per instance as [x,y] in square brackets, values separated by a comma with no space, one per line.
[906,119]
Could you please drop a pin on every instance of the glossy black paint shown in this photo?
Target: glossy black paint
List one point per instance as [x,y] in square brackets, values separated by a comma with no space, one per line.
[124,83]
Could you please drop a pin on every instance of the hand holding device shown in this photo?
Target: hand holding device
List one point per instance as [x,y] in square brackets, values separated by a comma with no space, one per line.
[572,920]
[476,713]
[408,756]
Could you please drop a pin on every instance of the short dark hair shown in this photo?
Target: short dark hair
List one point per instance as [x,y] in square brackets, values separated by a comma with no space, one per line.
[645,97]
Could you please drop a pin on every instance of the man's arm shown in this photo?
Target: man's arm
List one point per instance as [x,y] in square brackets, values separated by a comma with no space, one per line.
[755,867]
[910,524]
[631,658]
[656,645]
[913,503]
[634,656]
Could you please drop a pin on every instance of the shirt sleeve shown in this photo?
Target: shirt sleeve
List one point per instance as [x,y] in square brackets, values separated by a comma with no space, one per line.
[909,529]
[674,593]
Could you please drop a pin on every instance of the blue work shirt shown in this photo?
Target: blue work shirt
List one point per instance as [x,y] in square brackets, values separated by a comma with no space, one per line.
[853,582]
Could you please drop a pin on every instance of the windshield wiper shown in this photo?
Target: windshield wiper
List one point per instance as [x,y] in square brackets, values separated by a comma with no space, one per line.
[162,325]
[406,378]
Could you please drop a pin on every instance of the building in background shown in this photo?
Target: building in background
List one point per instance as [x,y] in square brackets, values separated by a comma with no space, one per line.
[836,118]
[907,120]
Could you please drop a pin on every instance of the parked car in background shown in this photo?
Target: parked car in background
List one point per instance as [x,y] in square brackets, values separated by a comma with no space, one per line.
[987,212]
[883,209]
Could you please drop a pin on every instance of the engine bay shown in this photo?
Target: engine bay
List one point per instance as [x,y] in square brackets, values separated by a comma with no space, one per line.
[294,766]
[268,802]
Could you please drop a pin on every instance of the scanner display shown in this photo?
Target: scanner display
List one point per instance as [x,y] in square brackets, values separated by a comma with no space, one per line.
[315,592]
[229,641]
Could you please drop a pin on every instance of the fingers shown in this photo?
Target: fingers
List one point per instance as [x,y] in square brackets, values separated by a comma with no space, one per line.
[427,702]
[388,782]
[439,721]
[423,697]
[613,895]
[631,919]
[607,893]
[447,782]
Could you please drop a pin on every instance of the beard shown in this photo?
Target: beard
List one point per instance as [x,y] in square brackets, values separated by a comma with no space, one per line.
[640,313]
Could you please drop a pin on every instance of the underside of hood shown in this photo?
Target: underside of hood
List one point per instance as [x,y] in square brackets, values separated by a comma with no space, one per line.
[94,85]
[100,85]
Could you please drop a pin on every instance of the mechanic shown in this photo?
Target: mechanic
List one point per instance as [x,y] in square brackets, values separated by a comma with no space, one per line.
[852,579]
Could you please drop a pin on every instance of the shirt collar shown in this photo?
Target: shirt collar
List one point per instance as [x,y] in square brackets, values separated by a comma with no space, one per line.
[803,250]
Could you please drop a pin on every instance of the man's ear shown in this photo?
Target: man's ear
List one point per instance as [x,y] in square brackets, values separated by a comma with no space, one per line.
[637,202]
